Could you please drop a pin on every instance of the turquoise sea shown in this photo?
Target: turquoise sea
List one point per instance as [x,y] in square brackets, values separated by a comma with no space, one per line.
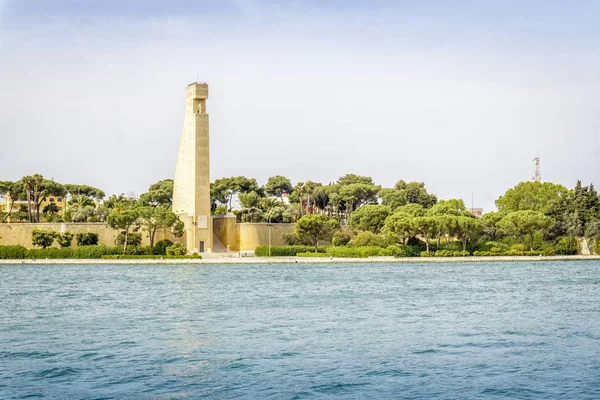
[527,330]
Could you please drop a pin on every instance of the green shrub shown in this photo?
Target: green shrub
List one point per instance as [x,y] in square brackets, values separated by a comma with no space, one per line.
[354,252]
[566,246]
[341,238]
[52,252]
[65,239]
[597,247]
[285,251]
[364,239]
[95,251]
[427,254]
[87,239]
[220,210]
[495,247]
[478,253]
[150,257]
[177,249]
[452,253]
[12,252]
[42,238]
[137,250]
[394,250]
[73,252]
[443,253]
[160,248]
[311,255]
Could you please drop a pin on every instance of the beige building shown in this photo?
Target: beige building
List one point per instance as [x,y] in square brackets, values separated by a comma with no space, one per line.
[59,201]
[191,193]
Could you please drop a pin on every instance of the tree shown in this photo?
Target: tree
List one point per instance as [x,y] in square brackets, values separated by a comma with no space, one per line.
[490,224]
[417,194]
[320,197]
[449,226]
[33,188]
[119,202]
[357,194]
[65,239]
[87,239]
[468,227]
[525,222]
[448,207]
[350,179]
[316,227]
[414,210]
[304,191]
[50,211]
[159,193]
[278,185]
[80,209]
[369,218]
[49,188]
[124,219]
[592,230]
[178,229]
[535,196]
[249,200]
[393,198]
[224,189]
[575,210]
[400,224]
[12,191]
[74,190]
[42,238]
[427,227]
[155,218]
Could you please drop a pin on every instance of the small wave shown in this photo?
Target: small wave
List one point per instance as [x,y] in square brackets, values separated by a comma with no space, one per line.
[335,388]
[512,392]
[56,372]
[426,351]
[27,354]
[285,354]
[389,372]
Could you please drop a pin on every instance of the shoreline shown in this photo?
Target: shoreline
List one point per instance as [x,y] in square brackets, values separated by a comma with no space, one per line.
[303,260]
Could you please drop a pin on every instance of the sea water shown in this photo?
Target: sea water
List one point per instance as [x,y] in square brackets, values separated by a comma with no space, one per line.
[527,330]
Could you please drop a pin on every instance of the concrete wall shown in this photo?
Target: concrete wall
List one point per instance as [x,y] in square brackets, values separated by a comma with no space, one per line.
[15,234]
[246,237]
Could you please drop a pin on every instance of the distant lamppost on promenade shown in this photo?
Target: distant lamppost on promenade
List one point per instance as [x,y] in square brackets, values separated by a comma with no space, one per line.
[269,226]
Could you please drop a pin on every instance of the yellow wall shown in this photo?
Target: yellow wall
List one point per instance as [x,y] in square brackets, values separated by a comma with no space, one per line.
[239,237]
[246,237]
[15,234]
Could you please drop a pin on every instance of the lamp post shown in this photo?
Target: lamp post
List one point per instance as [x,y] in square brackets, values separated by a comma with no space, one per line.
[269,225]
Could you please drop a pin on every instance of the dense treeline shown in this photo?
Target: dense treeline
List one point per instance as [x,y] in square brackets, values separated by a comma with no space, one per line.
[352,212]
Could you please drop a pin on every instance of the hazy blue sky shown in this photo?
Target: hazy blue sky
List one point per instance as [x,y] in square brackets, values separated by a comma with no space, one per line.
[459,94]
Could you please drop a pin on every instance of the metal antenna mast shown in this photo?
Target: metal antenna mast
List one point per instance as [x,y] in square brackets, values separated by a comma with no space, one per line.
[537,177]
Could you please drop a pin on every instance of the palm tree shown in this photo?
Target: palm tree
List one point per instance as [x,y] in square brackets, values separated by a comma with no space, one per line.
[33,186]
[80,208]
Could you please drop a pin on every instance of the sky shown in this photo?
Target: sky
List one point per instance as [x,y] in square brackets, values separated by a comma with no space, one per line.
[461,95]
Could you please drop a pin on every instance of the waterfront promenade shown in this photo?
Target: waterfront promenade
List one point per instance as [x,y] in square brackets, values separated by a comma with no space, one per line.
[235,259]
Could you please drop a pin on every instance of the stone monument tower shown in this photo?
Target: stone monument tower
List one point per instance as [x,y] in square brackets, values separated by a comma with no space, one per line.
[191,193]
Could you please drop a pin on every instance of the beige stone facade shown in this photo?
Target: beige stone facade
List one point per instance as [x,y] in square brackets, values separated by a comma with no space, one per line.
[191,194]
[20,234]
[246,237]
